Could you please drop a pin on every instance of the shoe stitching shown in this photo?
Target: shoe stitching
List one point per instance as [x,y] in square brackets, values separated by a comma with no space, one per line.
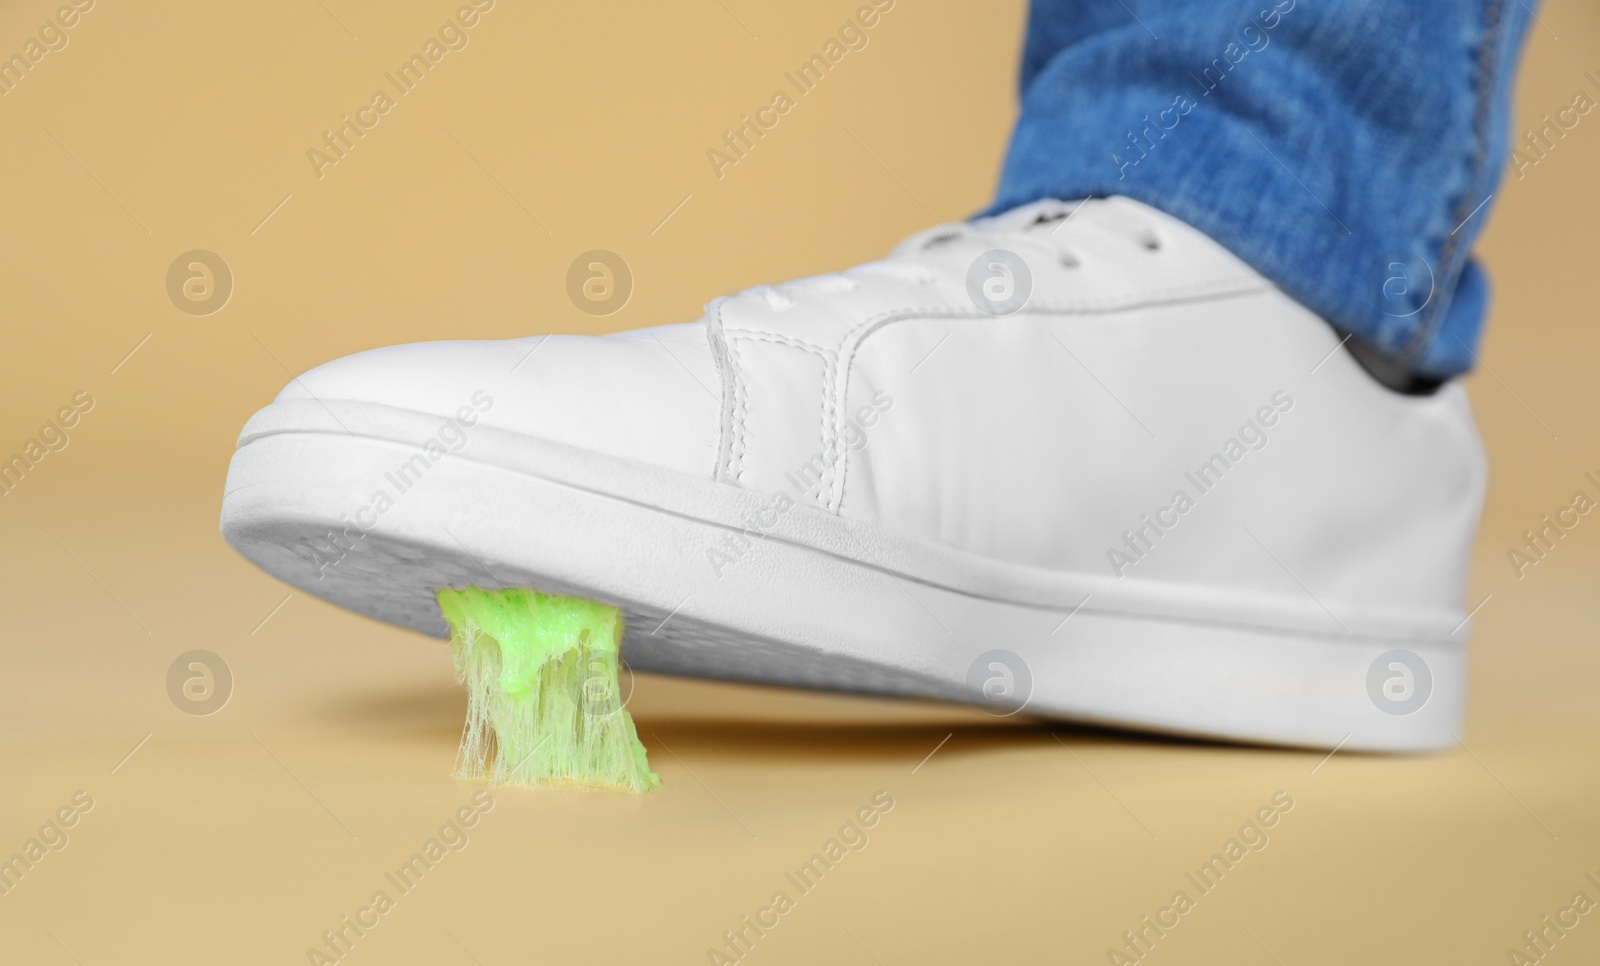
[829,367]
[829,363]
[1092,306]
[834,374]
[741,410]
[729,378]
[770,336]
[1172,293]
[826,398]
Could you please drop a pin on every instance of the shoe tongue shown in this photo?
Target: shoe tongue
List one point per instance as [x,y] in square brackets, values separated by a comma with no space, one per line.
[1117,215]
[1047,214]
[1047,211]
[1109,214]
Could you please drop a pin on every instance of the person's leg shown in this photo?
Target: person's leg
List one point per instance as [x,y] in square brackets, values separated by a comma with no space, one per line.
[1347,151]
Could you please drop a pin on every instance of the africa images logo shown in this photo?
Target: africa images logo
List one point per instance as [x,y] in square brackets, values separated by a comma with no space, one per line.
[1399,682]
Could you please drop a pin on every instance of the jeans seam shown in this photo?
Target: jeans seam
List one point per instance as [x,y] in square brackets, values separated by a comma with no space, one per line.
[1488,58]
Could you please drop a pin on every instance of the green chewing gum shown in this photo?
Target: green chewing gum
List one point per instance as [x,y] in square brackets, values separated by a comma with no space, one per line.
[543,705]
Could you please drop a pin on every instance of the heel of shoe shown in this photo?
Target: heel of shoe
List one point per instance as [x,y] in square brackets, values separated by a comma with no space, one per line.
[1255,685]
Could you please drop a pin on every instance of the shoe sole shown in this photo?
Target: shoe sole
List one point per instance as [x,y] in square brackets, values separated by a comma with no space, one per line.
[331,498]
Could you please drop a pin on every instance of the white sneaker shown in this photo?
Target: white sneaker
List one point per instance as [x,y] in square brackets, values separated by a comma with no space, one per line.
[1073,458]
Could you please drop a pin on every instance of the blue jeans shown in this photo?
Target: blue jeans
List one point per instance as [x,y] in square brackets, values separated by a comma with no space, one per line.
[1346,149]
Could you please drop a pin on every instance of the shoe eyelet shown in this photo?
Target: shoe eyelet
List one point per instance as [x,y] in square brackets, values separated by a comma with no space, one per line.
[1069,260]
[1151,242]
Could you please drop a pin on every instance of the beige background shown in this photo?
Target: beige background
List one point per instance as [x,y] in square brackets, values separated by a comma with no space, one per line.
[240,837]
